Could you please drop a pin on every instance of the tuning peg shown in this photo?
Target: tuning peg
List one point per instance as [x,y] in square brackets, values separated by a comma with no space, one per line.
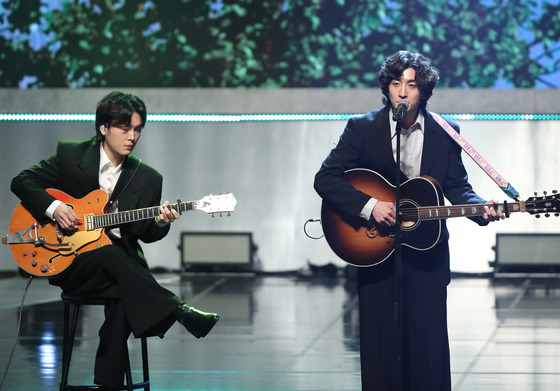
[538,216]
[556,214]
[544,192]
[547,215]
[554,191]
[536,194]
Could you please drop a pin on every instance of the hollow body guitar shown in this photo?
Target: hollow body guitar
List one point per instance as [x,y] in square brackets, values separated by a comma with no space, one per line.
[422,209]
[41,247]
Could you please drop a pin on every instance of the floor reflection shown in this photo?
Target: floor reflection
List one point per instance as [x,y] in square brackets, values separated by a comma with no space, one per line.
[294,332]
[38,340]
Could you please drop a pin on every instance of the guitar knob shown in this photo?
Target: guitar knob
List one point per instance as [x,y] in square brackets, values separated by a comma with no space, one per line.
[44,268]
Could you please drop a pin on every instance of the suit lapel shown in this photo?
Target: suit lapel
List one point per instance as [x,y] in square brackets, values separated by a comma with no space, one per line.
[89,165]
[382,142]
[432,137]
[130,165]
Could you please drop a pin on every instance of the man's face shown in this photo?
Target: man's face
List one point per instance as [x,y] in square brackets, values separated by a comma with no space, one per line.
[120,140]
[405,88]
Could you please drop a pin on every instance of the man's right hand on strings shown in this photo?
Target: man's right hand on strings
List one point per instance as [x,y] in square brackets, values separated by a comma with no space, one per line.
[385,213]
[65,217]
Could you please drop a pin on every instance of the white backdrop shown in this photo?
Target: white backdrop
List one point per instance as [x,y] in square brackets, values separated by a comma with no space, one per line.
[269,167]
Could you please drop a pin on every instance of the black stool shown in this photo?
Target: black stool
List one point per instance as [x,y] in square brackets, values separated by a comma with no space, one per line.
[70,324]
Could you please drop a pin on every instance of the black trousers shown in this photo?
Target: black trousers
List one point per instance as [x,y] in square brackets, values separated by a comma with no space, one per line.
[424,354]
[139,304]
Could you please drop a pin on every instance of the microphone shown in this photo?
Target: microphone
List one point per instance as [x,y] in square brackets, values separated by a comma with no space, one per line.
[402,107]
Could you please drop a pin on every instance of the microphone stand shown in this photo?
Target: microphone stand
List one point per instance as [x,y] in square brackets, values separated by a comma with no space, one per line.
[398,262]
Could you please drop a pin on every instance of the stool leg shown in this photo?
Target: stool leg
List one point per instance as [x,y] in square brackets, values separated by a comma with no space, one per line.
[128,374]
[69,334]
[145,367]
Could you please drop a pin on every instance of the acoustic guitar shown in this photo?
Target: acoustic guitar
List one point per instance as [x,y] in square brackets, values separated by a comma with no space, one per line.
[42,248]
[422,208]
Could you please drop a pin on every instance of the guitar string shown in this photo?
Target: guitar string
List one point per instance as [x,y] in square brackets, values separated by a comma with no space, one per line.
[455,211]
[52,227]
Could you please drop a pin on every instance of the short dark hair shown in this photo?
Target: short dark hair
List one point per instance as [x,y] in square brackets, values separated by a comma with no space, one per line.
[116,109]
[426,74]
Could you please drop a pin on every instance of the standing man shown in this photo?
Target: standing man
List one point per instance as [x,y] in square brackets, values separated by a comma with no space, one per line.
[120,271]
[369,141]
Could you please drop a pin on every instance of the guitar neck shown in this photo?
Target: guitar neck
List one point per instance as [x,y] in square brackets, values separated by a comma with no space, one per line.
[468,210]
[129,216]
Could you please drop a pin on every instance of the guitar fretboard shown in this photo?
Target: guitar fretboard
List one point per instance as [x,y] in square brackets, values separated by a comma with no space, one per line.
[129,216]
[469,210]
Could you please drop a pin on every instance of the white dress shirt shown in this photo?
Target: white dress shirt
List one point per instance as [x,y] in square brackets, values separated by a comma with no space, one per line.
[412,140]
[108,176]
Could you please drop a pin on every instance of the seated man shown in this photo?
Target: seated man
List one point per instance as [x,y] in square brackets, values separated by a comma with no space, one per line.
[117,271]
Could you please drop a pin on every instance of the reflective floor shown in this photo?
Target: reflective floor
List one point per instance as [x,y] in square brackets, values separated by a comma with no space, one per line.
[288,332]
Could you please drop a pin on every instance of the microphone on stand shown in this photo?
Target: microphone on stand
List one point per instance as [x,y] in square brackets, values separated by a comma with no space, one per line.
[402,107]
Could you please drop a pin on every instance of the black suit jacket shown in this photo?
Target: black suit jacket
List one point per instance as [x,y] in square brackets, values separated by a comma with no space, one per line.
[366,143]
[74,169]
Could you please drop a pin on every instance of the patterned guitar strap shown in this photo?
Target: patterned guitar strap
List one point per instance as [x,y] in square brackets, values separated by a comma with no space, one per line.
[500,181]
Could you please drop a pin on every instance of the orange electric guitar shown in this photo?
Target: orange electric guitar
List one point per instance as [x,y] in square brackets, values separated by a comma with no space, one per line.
[42,248]
[422,209]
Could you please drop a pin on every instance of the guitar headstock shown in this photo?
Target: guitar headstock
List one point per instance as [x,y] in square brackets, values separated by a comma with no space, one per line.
[217,203]
[547,204]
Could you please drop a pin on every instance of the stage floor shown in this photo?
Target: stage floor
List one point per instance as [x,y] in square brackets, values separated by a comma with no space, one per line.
[289,332]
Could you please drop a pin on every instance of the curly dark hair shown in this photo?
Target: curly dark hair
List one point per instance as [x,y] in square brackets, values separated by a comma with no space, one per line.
[116,109]
[426,74]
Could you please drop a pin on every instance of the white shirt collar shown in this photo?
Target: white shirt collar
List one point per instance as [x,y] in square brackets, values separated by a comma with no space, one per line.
[418,125]
[106,164]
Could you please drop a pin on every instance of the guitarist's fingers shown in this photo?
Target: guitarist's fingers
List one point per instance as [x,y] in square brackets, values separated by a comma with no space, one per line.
[167,215]
[163,213]
[384,213]
[500,215]
[492,212]
[66,217]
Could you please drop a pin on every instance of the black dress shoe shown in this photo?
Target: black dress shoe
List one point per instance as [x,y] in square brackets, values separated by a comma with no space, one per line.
[196,322]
